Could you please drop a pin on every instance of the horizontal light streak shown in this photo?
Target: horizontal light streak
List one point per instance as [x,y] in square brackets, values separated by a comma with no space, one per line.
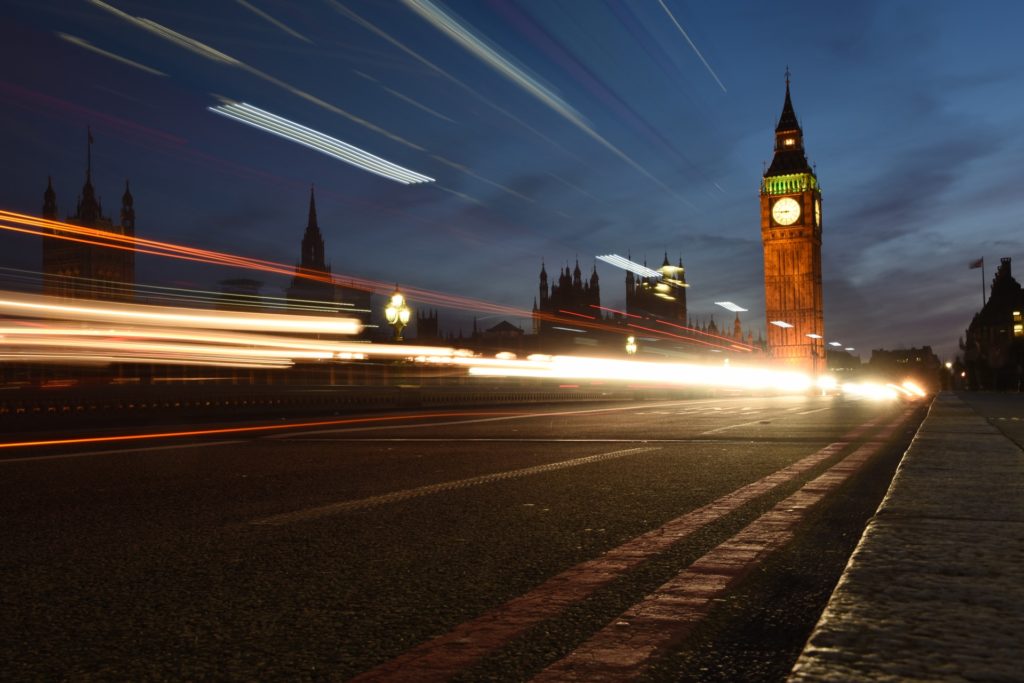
[730,306]
[626,264]
[834,344]
[814,336]
[313,139]
[680,374]
[15,303]
[251,429]
[781,323]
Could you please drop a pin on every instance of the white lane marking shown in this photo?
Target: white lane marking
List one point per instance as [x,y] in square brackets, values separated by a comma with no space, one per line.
[503,418]
[754,422]
[68,456]
[395,496]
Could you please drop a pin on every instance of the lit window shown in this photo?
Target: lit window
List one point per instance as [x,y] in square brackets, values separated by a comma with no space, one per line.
[1016,317]
[789,142]
[1018,330]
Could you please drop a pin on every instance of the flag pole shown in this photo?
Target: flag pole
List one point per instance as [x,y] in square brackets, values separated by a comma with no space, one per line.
[983,282]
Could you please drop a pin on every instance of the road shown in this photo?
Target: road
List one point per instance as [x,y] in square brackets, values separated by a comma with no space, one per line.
[682,540]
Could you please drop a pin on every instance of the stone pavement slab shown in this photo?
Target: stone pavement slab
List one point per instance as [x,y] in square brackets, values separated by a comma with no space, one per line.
[935,589]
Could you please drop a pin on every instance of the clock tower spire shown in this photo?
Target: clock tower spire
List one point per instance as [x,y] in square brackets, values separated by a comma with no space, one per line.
[791,238]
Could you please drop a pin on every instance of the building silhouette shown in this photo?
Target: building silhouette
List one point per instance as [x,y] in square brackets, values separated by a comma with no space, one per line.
[993,346]
[791,238]
[654,297]
[570,296]
[313,282]
[89,271]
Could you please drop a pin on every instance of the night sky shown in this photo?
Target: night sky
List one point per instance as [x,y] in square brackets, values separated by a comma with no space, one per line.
[611,126]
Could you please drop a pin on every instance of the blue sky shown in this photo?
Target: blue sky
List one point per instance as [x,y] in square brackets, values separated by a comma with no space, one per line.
[911,112]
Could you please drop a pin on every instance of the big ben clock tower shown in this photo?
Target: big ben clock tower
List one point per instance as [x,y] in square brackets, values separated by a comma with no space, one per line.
[791,237]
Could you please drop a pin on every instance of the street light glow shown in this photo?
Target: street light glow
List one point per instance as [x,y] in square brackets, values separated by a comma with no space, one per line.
[781,323]
[730,306]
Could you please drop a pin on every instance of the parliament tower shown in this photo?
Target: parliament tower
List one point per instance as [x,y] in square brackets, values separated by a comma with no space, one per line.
[80,270]
[791,237]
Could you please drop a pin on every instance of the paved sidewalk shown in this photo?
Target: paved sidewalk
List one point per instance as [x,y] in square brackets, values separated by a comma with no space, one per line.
[935,588]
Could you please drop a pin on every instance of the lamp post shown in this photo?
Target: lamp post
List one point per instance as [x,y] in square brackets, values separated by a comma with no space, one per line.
[397,313]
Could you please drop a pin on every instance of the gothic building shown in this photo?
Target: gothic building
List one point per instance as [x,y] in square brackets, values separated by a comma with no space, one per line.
[313,282]
[570,297]
[318,286]
[654,297]
[993,347]
[89,271]
[791,238]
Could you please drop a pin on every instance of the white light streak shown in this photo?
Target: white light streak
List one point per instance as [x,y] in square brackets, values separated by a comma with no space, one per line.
[307,137]
[814,336]
[685,35]
[730,306]
[626,264]
[284,27]
[86,45]
[834,344]
[464,36]
[43,306]
[781,323]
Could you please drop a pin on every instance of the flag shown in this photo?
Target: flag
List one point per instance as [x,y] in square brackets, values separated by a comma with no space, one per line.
[977,264]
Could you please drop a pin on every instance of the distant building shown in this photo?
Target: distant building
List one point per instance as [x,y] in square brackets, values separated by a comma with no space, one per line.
[313,282]
[791,239]
[993,346]
[568,298]
[658,297]
[78,270]
[426,327]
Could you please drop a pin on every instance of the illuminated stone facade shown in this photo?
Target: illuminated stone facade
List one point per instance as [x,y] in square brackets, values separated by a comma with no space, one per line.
[791,237]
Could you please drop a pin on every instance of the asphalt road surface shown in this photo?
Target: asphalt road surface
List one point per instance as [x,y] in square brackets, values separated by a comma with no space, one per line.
[686,540]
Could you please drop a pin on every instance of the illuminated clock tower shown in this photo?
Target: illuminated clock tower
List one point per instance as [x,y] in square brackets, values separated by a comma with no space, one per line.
[791,237]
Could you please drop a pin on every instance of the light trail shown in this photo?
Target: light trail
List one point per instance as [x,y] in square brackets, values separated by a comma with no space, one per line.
[313,139]
[86,45]
[687,37]
[14,303]
[240,430]
[66,231]
[266,17]
[464,36]
[626,264]
[204,50]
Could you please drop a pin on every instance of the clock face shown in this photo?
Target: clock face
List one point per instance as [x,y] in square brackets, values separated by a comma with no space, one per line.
[786,211]
[817,212]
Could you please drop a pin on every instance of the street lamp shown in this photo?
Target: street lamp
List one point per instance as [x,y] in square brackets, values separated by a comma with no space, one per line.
[630,346]
[397,313]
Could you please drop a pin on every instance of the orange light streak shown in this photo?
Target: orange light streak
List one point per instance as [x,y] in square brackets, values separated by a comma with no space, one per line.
[66,231]
[242,430]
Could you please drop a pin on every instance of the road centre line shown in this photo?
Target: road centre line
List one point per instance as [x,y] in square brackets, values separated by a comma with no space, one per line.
[503,418]
[69,456]
[396,496]
[629,643]
[816,410]
[444,656]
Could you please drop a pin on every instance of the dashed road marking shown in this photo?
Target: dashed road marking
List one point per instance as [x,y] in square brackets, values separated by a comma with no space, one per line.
[629,643]
[444,656]
[396,496]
